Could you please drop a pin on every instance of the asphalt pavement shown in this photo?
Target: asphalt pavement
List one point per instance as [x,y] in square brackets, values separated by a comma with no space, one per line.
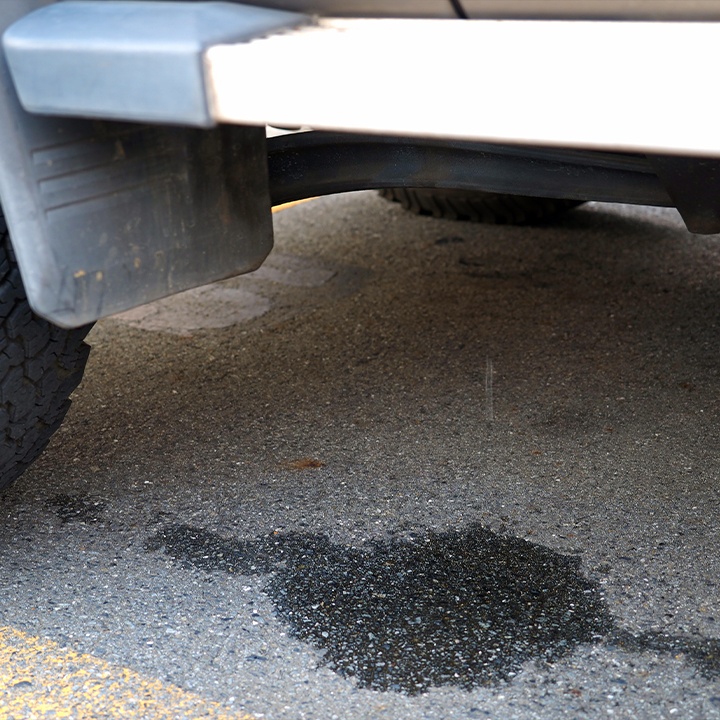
[411,468]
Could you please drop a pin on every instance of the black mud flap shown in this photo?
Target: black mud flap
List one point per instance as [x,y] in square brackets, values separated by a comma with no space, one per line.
[105,216]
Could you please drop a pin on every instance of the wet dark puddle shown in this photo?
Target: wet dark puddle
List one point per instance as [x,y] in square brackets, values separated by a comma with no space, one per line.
[77,508]
[464,608]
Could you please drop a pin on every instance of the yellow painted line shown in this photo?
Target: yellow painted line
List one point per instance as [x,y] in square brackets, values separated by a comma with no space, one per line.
[40,679]
[285,206]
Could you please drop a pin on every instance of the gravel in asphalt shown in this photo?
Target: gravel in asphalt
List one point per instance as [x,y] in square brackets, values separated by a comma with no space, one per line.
[419,469]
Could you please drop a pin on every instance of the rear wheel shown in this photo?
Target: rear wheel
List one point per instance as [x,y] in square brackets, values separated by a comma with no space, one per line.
[477,206]
[40,365]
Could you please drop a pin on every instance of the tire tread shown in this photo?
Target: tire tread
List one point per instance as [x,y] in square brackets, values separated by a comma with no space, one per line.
[40,365]
[478,206]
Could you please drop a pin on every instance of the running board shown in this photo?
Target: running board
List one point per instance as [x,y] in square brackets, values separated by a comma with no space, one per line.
[129,59]
[631,86]
[622,86]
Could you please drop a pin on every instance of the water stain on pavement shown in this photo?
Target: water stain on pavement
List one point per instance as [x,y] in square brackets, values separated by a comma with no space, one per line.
[79,508]
[465,607]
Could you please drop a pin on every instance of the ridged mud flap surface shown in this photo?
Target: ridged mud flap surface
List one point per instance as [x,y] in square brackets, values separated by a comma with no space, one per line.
[108,216]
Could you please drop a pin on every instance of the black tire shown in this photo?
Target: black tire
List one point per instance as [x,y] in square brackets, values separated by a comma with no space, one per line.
[477,206]
[40,365]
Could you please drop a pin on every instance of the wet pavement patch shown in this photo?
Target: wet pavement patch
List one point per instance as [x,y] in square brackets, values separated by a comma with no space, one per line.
[463,608]
[704,653]
[77,508]
[460,608]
